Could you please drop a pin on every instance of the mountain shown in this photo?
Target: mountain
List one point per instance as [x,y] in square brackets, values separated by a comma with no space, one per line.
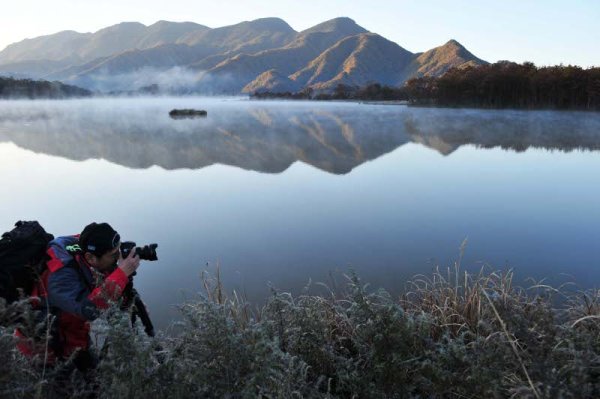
[438,60]
[165,32]
[68,48]
[189,49]
[254,35]
[56,47]
[369,58]
[272,81]
[235,73]
[356,60]
[131,69]
[33,69]
[245,38]
[111,40]
[261,55]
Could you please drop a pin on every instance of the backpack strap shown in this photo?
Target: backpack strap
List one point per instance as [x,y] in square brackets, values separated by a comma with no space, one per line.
[62,251]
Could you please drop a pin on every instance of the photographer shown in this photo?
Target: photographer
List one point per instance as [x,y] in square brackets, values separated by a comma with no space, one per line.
[82,279]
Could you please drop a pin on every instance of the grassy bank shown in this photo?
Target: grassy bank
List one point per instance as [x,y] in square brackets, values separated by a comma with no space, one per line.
[451,334]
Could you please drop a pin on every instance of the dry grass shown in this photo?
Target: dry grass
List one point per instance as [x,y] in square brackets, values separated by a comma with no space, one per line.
[451,334]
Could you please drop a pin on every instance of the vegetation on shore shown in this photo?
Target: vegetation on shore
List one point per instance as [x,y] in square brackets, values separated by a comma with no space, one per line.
[510,85]
[372,92]
[500,85]
[11,88]
[449,335]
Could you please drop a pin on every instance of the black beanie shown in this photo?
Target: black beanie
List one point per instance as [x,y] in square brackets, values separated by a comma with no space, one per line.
[98,238]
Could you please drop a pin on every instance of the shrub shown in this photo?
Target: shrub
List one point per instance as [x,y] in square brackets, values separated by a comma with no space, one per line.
[453,335]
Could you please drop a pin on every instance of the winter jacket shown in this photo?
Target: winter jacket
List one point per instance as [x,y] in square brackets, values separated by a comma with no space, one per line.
[75,294]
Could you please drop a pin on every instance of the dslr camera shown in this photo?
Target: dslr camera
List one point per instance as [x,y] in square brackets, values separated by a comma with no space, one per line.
[147,252]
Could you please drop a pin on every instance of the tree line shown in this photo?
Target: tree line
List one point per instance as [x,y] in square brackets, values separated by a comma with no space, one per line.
[500,85]
[510,85]
[11,88]
[370,92]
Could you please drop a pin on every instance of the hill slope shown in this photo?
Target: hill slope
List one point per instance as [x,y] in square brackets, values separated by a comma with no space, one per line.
[356,60]
[208,45]
[437,61]
[233,74]
[85,47]
[261,55]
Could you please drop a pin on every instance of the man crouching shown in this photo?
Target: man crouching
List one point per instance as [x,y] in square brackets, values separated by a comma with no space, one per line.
[82,279]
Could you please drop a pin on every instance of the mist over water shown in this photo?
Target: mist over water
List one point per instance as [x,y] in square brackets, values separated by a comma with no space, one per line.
[284,192]
[175,79]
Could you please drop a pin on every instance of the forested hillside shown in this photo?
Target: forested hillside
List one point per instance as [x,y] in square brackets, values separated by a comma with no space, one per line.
[510,85]
[26,88]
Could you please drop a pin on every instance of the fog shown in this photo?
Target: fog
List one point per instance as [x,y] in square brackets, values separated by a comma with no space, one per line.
[175,80]
[270,136]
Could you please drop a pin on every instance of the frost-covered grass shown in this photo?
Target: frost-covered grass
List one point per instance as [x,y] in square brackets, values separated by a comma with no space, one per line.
[449,335]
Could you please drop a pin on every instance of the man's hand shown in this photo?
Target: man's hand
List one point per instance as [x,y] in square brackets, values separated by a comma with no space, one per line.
[130,263]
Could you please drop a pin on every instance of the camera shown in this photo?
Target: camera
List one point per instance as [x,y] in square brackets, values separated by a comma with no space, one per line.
[147,252]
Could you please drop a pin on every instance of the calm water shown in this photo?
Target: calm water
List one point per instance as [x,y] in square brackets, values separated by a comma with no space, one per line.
[277,193]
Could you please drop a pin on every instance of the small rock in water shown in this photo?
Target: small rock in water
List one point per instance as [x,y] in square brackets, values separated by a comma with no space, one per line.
[187,113]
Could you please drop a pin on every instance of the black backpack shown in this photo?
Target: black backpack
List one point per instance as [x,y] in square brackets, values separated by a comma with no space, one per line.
[22,259]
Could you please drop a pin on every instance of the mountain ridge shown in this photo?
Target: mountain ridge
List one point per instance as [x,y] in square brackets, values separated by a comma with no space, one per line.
[344,63]
[259,54]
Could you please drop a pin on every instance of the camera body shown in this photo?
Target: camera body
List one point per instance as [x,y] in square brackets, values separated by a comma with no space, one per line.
[147,252]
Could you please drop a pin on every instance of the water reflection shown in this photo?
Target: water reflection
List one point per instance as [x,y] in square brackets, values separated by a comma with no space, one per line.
[402,214]
[270,136]
[251,137]
[447,130]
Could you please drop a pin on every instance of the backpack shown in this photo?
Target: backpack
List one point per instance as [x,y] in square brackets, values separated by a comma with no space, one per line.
[22,259]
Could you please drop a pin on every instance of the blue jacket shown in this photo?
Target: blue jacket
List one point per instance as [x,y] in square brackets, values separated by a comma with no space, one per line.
[75,292]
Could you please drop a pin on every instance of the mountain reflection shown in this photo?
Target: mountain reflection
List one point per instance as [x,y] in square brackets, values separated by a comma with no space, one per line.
[269,137]
[447,130]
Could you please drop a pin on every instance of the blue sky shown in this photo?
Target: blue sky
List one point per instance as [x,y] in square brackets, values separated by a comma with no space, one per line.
[545,32]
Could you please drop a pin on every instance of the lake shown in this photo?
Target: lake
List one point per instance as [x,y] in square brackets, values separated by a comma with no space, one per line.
[279,193]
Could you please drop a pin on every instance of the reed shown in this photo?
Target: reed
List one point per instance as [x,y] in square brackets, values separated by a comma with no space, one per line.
[450,334]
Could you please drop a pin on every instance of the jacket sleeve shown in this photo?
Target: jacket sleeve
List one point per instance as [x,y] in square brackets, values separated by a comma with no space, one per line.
[67,292]
[110,290]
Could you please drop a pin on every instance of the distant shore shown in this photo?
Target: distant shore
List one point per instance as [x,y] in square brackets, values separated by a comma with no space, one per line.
[15,89]
[503,85]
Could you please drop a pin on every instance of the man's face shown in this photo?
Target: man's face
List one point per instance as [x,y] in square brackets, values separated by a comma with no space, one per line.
[107,261]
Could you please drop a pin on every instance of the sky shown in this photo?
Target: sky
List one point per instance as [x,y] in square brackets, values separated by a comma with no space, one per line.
[546,32]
